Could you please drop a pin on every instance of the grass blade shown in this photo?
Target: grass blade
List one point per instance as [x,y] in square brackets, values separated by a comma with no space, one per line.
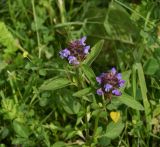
[144,95]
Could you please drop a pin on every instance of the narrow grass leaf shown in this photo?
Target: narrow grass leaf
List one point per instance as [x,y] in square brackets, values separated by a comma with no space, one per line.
[143,88]
[130,102]
[134,79]
[55,84]
[95,50]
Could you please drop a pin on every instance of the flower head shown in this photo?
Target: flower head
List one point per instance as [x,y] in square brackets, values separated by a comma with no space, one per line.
[82,40]
[100,91]
[64,53]
[76,51]
[110,82]
[107,87]
[72,60]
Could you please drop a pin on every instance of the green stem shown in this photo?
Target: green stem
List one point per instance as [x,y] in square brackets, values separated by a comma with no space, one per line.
[12,86]
[62,10]
[96,126]
[36,26]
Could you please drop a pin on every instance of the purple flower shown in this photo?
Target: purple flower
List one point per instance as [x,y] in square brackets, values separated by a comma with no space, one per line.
[121,83]
[82,40]
[119,76]
[108,87]
[110,82]
[76,51]
[99,80]
[73,60]
[100,91]
[86,49]
[64,53]
[116,92]
[113,70]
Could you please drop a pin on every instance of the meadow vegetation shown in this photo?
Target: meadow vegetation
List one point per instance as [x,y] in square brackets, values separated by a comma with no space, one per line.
[79,73]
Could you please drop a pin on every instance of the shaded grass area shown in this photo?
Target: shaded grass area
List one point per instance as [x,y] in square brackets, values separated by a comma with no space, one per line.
[44,101]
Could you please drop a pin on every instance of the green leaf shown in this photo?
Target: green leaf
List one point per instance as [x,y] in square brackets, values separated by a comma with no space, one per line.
[7,40]
[70,105]
[95,50]
[114,130]
[8,108]
[20,129]
[104,141]
[54,84]
[151,66]
[89,74]
[4,132]
[82,92]
[156,111]
[3,65]
[130,102]
[118,24]
[59,144]
[143,87]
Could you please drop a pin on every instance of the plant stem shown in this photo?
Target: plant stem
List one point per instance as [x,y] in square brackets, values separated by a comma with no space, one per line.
[36,26]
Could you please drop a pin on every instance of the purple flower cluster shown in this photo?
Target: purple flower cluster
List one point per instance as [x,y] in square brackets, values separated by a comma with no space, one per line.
[76,51]
[110,82]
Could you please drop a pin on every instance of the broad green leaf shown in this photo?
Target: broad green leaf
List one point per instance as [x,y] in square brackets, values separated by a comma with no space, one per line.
[156,111]
[151,66]
[4,132]
[20,129]
[59,144]
[70,105]
[7,40]
[82,92]
[20,140]
[8,108]
[95,50]
[114,130]
[119,25]
[89,74]
[55,84]
[104,141]
[130,102]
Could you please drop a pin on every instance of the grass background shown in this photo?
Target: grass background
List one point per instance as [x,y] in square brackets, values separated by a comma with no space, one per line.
[46,102]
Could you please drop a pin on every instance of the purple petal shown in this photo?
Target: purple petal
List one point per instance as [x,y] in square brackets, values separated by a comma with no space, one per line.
[102,75]
[86,49]
[82,40]
[119,76]
[100,91]
[116,92]
[64,53]
[108,87]
[121,83]
[113,70]
[73,60]
[99,80]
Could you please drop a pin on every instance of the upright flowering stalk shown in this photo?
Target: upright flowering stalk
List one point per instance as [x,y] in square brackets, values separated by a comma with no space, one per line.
[76,51]
[109,83]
